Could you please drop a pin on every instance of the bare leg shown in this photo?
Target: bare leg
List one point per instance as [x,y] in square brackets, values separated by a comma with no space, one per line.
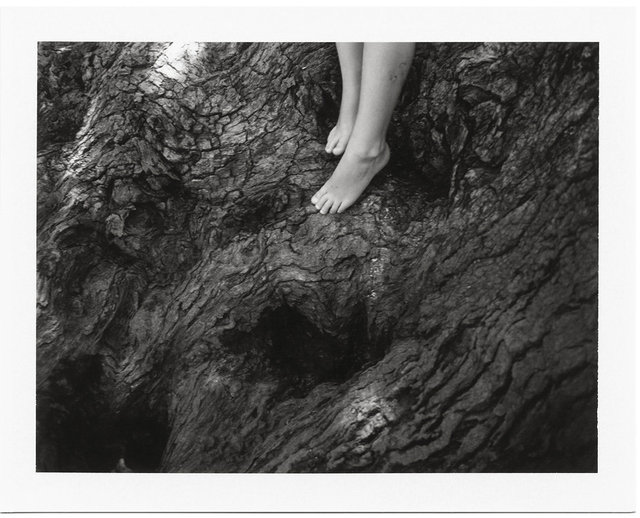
[384,69]
[350,55]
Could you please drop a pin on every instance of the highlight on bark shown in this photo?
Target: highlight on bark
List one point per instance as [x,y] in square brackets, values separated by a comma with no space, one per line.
[196,314]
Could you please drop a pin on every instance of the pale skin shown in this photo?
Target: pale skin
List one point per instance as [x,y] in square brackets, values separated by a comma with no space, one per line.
[372,78]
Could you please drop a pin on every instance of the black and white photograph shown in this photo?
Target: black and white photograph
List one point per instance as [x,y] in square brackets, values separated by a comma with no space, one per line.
[317,257]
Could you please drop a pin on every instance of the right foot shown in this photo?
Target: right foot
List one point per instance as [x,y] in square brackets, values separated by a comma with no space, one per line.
[339,135]
[354,172]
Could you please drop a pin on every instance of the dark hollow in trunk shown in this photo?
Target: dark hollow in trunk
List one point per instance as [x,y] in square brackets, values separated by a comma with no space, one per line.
[196,314]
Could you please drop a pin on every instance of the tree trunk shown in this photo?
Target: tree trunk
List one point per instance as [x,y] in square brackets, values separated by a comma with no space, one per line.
[195,313]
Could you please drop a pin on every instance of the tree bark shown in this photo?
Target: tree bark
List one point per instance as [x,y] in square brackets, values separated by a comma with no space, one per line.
[196,314]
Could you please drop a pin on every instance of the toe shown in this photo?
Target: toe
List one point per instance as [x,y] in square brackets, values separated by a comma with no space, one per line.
[320,202]
[331,141]
[325,205]
[319,193]
[342,207]
[339,147]
[334,207]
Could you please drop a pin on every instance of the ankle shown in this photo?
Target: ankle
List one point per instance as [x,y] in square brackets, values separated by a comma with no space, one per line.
[366,150]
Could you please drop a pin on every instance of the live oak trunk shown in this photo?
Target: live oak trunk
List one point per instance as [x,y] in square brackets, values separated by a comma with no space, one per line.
[196,314]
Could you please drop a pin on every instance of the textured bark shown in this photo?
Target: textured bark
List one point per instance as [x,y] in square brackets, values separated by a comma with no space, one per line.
[196,314]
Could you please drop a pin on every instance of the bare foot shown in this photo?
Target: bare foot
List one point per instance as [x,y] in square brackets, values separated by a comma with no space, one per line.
[354,172]
[339,135]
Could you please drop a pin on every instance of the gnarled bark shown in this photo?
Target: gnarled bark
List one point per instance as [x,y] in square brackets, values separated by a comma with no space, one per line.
[196,314]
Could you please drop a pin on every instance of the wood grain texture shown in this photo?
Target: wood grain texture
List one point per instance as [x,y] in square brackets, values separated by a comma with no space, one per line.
[196,314]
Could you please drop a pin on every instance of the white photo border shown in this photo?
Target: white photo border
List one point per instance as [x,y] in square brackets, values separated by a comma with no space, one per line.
[611,489]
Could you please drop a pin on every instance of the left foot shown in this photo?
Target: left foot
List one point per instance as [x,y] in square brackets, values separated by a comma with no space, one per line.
[339,136]
[354,172]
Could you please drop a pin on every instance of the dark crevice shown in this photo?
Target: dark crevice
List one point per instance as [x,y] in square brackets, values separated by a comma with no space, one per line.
[327,110]
[250,214]
[78,431]
[300,355]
